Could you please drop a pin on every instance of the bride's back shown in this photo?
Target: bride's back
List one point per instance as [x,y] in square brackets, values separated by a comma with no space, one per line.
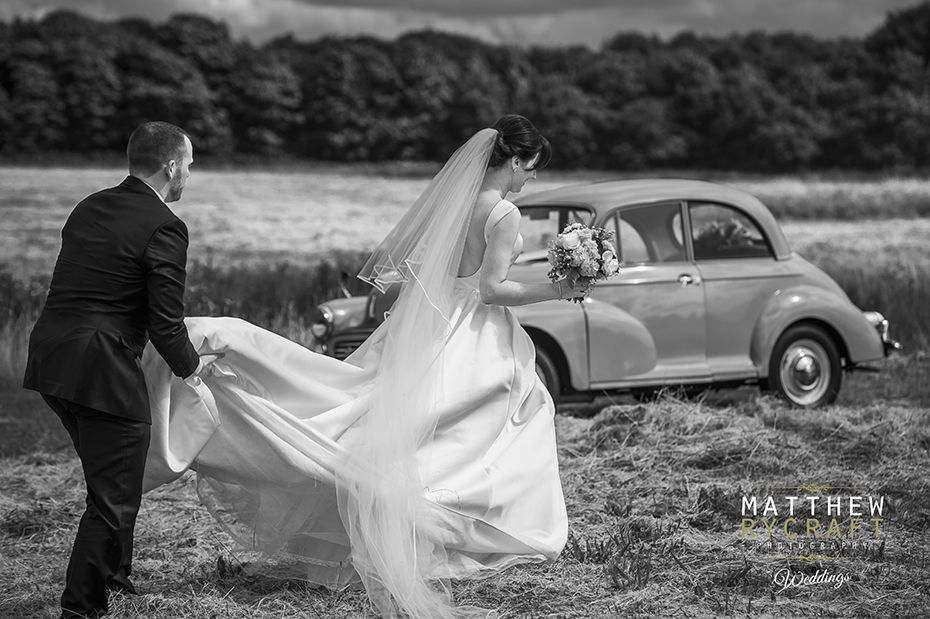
[475,244]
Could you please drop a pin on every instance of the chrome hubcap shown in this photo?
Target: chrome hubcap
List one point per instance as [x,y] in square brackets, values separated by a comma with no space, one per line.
[805,372]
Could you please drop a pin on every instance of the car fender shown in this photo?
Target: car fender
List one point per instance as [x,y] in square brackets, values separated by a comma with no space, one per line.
[347,312]
[805,302]
[565,324]
[632,349]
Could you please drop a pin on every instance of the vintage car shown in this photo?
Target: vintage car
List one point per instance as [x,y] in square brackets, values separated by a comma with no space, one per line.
[708,294]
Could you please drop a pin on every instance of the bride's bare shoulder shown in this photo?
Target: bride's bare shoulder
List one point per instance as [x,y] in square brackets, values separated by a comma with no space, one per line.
[483,206]
[486,201]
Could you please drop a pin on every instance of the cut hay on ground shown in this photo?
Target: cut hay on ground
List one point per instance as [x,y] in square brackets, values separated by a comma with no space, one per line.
[654,497]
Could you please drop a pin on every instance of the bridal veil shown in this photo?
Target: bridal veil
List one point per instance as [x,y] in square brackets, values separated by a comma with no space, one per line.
[398,536]
[330,460]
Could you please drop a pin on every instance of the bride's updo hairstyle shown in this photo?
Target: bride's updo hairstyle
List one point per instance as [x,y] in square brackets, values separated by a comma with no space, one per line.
[517,137]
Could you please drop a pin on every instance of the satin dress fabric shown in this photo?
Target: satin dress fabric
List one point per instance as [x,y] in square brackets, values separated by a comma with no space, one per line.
[265,431]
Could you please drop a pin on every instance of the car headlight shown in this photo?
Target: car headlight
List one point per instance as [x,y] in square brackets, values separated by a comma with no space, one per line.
[323,325]
[878,321]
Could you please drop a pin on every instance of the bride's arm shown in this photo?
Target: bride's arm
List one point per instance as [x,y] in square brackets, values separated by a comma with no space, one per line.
[494,286]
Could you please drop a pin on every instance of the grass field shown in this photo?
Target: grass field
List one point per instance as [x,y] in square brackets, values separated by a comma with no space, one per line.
[653,490]
[297,215]
[258,239]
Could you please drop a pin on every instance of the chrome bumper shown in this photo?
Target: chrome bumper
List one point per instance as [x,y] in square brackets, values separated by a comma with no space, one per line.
[891,346]
[881,325]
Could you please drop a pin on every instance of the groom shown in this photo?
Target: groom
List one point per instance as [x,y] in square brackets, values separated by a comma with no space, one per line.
[118,281]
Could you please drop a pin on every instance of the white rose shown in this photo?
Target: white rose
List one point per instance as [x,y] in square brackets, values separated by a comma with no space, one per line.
[612,267]
[571,240]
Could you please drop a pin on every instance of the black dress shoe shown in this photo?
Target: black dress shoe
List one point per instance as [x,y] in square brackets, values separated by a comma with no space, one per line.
[123,587]
[122,584]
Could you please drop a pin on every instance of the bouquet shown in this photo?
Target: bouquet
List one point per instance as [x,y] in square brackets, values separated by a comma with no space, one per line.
[584,254]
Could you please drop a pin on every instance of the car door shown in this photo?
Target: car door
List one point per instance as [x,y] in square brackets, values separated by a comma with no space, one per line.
[661,289]
[560,324]
[740,274]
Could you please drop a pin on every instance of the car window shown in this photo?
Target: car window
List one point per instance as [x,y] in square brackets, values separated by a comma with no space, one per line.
[648,234]
[541,224]
[723,232]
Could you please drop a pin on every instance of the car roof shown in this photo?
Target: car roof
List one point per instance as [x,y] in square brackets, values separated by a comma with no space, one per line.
[603,196]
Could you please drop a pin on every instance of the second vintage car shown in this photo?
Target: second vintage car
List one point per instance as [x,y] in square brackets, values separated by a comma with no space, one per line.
[709,294]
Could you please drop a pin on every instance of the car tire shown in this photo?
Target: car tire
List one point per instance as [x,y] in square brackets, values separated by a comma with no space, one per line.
[805,367]
[548,373]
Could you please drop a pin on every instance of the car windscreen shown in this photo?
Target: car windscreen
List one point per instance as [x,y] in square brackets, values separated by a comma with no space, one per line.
[541,224]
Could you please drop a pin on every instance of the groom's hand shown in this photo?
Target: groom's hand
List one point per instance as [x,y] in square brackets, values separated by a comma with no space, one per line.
[205,366]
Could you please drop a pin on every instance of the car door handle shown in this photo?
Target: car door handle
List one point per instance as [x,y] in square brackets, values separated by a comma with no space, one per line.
[686,280]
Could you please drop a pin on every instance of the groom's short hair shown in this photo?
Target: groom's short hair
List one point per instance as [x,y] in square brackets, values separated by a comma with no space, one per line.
[152,145]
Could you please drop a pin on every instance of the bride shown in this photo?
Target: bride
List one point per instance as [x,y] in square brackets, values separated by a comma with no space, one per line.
[430,452]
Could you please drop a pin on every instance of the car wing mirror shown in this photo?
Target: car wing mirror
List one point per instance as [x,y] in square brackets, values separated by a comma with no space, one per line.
[344,277]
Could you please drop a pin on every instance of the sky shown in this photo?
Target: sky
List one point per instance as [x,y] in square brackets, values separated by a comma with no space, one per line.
[519,22]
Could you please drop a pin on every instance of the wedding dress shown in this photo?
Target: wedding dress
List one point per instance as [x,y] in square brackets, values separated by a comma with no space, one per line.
[285,443]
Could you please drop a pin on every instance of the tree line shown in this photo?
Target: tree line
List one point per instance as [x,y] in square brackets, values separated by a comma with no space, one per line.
[753,102]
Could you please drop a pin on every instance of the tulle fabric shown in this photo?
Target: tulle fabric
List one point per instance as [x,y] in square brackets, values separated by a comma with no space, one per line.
[266,434]
[397,538]
[427,242]
[428,454]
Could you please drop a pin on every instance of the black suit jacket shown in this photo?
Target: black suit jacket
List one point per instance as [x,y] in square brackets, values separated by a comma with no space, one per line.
[119,280]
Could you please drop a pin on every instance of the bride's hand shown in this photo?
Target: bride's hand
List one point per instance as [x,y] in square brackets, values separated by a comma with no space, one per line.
[575,286]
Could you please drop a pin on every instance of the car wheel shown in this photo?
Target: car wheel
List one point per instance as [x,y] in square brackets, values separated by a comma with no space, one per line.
[805,367]
[548,373]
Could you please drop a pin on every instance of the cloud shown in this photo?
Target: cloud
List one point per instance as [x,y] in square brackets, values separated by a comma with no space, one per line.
[484,7]
[521,22]
[825,18]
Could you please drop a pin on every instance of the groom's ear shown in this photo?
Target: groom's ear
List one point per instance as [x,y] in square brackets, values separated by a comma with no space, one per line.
[170,168]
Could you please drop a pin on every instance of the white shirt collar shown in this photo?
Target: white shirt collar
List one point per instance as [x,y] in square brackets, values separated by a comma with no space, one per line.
[153,189]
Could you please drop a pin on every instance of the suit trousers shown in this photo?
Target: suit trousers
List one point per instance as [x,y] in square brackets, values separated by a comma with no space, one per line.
[112,450]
